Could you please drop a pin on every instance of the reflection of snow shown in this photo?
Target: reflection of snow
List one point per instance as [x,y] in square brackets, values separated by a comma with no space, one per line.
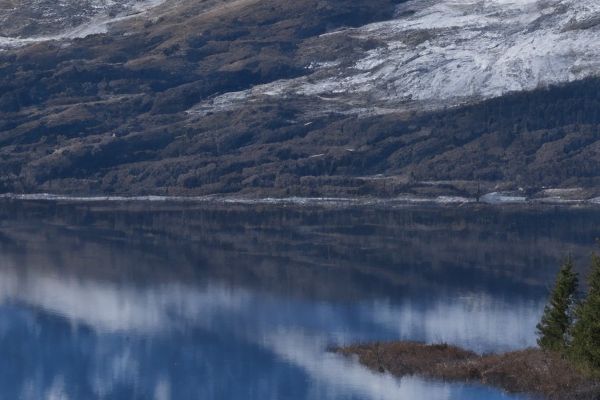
[402,200]
[502,198]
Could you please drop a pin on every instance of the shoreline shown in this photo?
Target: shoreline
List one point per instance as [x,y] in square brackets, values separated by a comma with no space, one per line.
[489,199]
[529,372]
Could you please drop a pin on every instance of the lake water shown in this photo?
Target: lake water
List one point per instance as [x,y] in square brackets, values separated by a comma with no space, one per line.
[142,301]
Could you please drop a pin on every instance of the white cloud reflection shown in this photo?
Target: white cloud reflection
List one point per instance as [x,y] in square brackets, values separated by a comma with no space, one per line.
[336,375]
[296,331]
[479,322]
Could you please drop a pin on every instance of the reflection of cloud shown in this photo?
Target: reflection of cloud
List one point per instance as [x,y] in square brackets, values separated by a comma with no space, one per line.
[334,373]
[292,330]
[337,377]
[57,390]
[162,390]
[120,368]
[479,322]
[108,307]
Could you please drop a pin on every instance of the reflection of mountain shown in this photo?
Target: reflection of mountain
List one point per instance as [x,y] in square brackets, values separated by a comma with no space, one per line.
[228,304]
[305,252]
[239,303]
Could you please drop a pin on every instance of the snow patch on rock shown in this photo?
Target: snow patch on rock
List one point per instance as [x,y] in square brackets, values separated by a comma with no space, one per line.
[59,21]
[437,53]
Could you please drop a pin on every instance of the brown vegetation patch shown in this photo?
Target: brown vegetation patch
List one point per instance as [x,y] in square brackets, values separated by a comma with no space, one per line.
[527,371]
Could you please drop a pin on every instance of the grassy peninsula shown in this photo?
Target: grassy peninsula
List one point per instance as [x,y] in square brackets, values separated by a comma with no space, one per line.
[533,371]
[565,366]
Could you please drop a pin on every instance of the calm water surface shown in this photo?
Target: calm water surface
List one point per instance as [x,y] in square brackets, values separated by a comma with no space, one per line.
[183,302]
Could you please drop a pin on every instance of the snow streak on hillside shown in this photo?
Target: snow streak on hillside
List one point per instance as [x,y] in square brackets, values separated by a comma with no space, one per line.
[27,21]
[445,52]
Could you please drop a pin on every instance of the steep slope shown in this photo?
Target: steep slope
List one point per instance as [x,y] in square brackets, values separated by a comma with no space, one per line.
[210,96]
[29,21]
[446,52]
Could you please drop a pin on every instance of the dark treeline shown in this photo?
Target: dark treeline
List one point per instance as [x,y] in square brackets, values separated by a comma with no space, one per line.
[571,323]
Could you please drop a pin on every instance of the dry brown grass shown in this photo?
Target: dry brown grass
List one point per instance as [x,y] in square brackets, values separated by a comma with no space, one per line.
[527,371]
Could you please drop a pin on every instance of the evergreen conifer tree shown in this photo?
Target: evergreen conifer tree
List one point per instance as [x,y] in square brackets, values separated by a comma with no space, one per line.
[586,333]
[554,328]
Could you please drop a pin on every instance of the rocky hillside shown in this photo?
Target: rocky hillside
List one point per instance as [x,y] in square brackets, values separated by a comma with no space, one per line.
[304,98]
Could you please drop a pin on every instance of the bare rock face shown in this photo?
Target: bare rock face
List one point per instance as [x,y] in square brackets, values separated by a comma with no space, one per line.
[307,98]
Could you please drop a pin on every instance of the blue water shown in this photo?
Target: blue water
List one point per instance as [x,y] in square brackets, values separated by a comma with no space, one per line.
[98,303]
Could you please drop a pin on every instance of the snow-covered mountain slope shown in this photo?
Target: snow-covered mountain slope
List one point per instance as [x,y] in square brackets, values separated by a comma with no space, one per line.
[436,53]
[307,98]
[27,21]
